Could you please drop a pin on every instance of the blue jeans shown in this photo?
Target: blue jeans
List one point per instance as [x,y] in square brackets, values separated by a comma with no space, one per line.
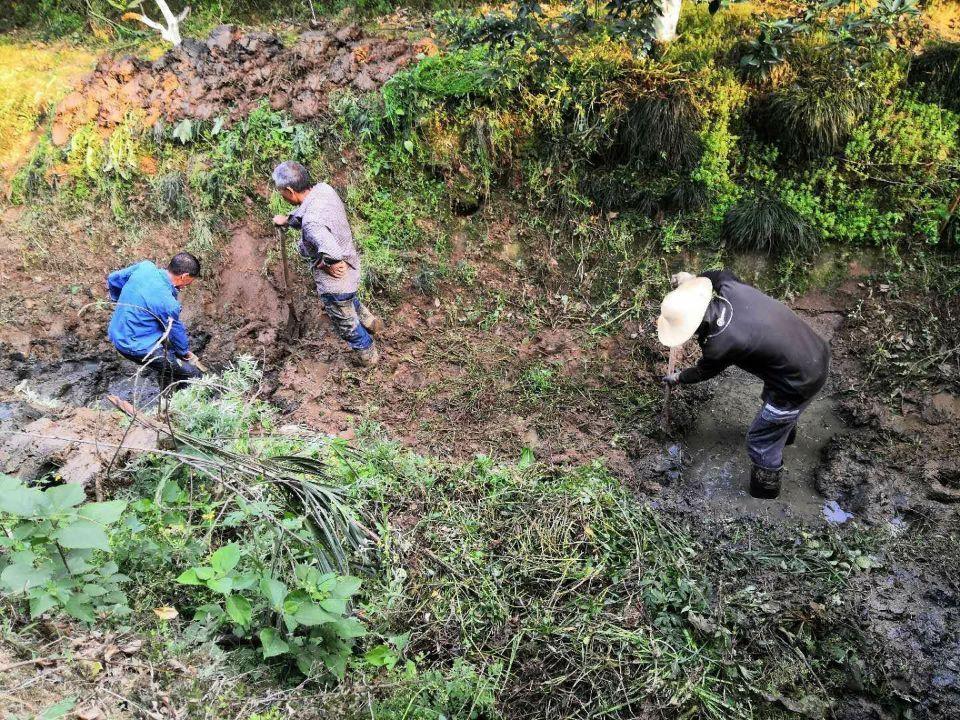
[769,432]
[345,310]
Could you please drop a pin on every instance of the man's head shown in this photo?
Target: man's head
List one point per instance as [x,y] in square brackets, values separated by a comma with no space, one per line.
[184,268]
[293,181]
[682,310]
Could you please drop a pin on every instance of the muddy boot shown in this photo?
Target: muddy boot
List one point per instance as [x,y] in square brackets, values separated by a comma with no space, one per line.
[792,437]
[367,358]
[765,484]
[371,322]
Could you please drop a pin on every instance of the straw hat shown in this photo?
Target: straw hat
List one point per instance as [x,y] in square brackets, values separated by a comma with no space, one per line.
[682,311]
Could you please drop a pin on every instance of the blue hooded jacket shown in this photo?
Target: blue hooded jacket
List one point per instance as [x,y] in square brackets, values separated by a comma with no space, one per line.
[146,301]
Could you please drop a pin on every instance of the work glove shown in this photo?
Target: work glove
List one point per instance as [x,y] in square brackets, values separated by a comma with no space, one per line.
[679,278]
[671,379]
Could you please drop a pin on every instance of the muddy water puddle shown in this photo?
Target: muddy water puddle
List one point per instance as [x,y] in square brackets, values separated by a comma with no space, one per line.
[715,465]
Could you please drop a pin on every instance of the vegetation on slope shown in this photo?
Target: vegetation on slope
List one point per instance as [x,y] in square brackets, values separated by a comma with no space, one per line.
[496,589]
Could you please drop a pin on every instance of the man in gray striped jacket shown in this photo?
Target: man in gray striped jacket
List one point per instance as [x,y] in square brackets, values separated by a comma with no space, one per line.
[326,241]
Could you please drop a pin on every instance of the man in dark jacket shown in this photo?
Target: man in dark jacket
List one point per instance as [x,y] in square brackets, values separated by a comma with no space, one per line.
[736,324]
[145,326]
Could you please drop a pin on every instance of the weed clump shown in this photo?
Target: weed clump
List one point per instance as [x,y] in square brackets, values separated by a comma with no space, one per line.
[660,129]
[812,118]
[937,72]
[766,224]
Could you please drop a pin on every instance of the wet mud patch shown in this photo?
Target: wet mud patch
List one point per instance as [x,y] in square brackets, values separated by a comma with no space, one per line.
[712,467]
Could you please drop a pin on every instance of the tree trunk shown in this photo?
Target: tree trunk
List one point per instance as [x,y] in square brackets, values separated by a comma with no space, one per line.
[665,24]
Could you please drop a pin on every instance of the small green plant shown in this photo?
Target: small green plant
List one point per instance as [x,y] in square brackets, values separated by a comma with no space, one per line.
[56,550]
[308,623]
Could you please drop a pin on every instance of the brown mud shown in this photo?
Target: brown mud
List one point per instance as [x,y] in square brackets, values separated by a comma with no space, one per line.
[231,73]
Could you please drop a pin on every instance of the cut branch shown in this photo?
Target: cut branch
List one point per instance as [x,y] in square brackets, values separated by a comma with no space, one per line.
[169,32]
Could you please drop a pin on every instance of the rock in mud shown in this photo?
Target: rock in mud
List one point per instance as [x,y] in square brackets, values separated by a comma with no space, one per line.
[73,447]
[229,74]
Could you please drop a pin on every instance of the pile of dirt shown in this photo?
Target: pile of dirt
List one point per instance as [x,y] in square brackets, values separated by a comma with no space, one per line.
[230,73]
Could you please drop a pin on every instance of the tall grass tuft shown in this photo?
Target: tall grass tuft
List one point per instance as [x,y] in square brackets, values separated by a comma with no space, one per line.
[761,223]
[937,71]
[812,117]
[659,129]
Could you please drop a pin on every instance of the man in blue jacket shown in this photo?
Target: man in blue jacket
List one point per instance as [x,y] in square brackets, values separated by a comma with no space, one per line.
[145,326]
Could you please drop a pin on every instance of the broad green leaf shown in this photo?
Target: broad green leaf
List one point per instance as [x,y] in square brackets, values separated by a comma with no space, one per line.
[226,558]
[399,641]
[55,712]
[337,664]
[348,628]
[21,577]
[273,645]
[527,459]
[305,661]
[63,497]
[189,577]
[18,499]
[274,591]
[306,574]
[78,607]
[203,573]
[205,612]
[346,586]
[40,604]
[310,615]
[239,610]
[105,513]
[244,582]
[337,606]
[93,590]
[83,534]
[183,131]
[381,656]
[221,585]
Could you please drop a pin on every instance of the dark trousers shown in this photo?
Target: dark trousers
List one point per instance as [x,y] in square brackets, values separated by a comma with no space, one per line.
[346,311]
[769,432]
[168,368]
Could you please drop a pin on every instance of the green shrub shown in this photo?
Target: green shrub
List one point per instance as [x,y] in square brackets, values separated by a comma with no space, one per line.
[763,223]
[936,71]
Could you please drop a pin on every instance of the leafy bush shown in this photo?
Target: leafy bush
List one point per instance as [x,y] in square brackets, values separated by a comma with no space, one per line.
[56,549]
[937,72]
[761,223]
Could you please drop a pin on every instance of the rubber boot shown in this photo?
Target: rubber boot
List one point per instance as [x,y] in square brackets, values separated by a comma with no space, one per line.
[792,437]
[368,357]
[371,322]
[765,484]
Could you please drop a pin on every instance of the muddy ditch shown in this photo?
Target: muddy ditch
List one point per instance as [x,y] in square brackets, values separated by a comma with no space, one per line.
[231,73]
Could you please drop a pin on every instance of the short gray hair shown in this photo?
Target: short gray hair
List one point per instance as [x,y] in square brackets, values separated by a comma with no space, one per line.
[293,175]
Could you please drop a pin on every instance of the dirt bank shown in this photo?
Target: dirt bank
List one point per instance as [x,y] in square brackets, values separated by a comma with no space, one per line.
[232,72]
